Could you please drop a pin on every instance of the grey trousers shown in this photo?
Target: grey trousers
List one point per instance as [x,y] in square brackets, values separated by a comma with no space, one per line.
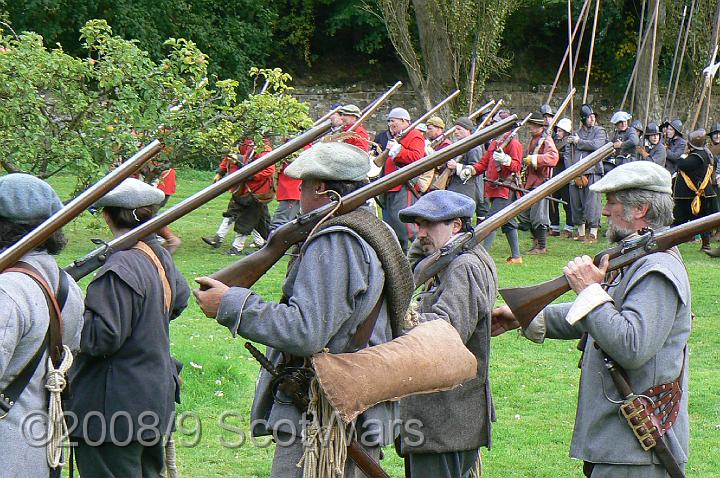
[457,464]
[112,461]
[538,215]
[286,211]
[392,204]
[586,205]
[603,470]
[286,457]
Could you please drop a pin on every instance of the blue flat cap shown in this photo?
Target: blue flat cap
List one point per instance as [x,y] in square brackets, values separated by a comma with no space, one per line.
[25,199]
[439,206]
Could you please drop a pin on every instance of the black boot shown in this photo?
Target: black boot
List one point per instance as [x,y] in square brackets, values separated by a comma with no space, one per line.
[541,237]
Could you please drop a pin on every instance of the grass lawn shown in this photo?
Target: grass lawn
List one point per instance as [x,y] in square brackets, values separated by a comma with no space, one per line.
[534,386]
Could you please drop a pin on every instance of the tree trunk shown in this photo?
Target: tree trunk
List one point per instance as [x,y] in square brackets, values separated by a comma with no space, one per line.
[645,78]
[436,50]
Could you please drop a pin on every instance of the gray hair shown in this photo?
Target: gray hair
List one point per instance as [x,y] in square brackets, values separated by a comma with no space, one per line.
[660,205]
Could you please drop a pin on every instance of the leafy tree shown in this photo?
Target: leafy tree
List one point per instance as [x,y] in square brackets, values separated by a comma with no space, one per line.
[81,115]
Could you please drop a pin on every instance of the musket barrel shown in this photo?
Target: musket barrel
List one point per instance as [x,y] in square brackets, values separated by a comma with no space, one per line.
[40,234]
[246,271]
[84,266]
[372,108]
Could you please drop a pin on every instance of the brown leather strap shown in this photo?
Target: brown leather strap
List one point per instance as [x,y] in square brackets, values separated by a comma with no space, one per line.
[167,291]
[361,337]
[55,325]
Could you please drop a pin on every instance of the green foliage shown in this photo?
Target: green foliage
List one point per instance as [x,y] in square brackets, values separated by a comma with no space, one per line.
[81,115]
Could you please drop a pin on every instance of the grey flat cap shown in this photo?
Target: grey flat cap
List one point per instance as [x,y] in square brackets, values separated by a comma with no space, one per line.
[399,113]
[25,199]
[350,110]
[465,122]
[130,194]
[440,205]
[635,175]
[331,161]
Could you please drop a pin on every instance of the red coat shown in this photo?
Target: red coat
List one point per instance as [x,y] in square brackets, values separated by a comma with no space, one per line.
[261,182]
[488,166]
[288,189]
[413,148]
[547,158]
[362,138]
[168,182]
[445,142]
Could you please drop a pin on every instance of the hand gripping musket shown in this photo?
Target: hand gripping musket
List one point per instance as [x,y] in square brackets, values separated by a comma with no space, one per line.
[527,302]
[295,383]
[41,233]
[245,272]
[95,259]
[435,263]
[380,158]
[471,116]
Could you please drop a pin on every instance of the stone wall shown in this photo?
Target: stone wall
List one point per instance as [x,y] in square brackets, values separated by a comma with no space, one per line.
[519,98]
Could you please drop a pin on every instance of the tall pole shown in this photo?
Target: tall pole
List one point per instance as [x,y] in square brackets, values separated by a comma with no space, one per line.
[641,41]
[680,62]
[562,63]
[634,73]
[571,69]
[652,63]
[672,69]
[580,40]
[592,46]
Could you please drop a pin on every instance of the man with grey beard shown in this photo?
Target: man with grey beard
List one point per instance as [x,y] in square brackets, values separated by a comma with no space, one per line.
[637,317]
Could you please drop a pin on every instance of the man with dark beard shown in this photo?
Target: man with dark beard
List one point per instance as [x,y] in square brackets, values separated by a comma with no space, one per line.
[638,317]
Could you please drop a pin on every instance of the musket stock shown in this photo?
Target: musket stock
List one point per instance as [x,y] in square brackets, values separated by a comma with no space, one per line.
[433,264]
[41,233]
[527,302]
[246,271]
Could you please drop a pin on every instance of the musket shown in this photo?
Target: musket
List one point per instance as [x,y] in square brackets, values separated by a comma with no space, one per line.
[518,189]
[41,233]
[527,302]
[95,259]
[513,133]
[433,264]
[450,131]
[246,271]
[549,130]
[380,158]
[372,107]
[299,398]
[326,116]
[491,114]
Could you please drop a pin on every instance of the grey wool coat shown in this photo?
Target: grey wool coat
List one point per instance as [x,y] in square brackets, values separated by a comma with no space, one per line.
[23,325]
[124,366]
[590,139]
[331,290]
[645,329]
[458,419]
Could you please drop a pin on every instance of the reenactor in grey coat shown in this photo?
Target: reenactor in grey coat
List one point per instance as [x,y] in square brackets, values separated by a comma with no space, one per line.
[584,203]
[675,144]
[474,187]
[654,150]
[455,423]
[26,202]
[638,317]
[338,282]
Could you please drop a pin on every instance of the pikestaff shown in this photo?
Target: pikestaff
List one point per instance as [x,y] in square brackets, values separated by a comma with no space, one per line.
[651,63]
[634,73]
[592,48]
[583,12]
[708,76]
[672,69]
[639,46]
[680,62]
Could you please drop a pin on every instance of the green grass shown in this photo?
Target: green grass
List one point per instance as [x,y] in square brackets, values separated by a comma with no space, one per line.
[534,386]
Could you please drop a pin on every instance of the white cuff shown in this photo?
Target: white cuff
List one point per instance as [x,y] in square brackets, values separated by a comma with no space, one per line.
[590,298]
[533,158]
[536,330]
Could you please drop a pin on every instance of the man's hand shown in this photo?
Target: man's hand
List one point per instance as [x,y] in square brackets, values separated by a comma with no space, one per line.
[581,272]
[452,164]
[503,320]
[217,178]
[530,160]
[209,295]
[393,148]
[617,144]
[502,158]
[573,139]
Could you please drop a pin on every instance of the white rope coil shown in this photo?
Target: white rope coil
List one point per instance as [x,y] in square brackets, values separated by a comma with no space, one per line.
[55,383]
[324,439]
